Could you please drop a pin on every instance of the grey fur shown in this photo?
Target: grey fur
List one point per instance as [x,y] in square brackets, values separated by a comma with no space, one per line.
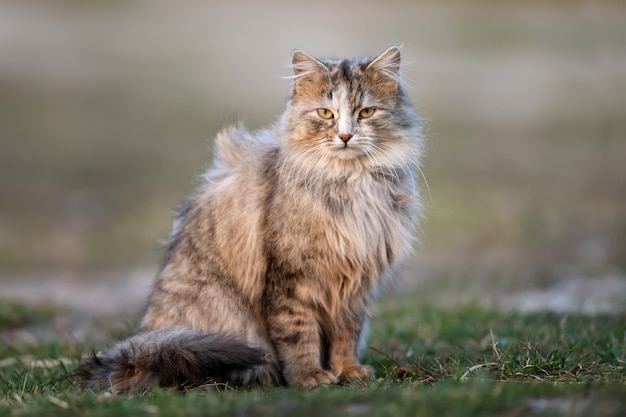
[286,241]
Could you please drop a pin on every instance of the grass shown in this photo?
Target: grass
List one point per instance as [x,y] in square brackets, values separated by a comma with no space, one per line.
[16,314]
[430,361]
[526,110]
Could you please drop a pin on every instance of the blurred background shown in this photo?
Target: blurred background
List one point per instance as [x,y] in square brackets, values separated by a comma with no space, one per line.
[108,109]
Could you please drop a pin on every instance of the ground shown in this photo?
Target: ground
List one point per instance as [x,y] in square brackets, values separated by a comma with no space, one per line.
[520,274]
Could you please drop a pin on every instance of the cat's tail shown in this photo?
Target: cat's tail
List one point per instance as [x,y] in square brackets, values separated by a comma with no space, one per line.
[177,358]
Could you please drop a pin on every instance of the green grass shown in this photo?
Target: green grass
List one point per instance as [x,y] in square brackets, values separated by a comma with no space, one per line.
[524,161]
[16,314]
[521,364]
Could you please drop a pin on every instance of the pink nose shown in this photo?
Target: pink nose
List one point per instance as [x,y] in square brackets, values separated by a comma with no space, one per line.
[345,136]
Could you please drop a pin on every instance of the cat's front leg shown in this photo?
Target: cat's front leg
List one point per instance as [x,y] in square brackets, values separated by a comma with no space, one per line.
[296,336]
[343,350]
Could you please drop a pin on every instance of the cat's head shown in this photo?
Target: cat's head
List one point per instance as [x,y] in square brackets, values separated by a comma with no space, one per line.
[350,110]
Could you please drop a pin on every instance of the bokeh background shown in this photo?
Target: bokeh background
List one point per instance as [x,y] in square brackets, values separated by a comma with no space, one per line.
[108,109]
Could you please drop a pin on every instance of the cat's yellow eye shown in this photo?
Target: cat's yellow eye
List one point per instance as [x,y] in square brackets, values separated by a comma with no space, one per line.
[325,113]
[366,112]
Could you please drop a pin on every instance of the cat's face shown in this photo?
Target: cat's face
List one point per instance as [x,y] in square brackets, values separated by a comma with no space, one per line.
[349,110]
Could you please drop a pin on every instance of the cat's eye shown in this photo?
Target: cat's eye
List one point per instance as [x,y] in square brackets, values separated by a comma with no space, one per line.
[366,112]
[325,113]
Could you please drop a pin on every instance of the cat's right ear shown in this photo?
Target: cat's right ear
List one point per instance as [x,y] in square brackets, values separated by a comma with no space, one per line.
[306,69]
[304,64]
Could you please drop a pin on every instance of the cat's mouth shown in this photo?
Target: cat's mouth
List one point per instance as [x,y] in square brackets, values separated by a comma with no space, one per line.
[347,151]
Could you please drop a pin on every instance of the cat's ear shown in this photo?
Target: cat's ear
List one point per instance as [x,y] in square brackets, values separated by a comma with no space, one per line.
[307,71]
[304,64]
[387,64]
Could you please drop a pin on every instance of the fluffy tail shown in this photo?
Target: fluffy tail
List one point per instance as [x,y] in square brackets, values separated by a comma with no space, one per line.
[176,358]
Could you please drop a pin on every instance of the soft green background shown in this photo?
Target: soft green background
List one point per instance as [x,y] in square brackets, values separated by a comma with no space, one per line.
[107,111]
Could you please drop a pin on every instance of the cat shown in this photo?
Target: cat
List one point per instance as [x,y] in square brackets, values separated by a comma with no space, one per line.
[271,265]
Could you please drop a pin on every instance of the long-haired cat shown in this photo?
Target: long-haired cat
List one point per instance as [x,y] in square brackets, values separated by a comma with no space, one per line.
[273,261]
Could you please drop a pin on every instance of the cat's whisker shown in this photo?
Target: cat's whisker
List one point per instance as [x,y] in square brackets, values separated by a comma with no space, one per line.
[388,164]
[415,153]
[372,153]
[430,196]
[295,162]
[392,151]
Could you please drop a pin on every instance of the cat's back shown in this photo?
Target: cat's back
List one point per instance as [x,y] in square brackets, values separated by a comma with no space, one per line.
[242,155]
[217,236]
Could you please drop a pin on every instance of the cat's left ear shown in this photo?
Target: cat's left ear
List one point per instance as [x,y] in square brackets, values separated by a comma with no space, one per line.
[387,64]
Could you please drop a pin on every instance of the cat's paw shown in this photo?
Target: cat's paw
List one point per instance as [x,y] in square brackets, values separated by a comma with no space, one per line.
[359,373]
[314,379]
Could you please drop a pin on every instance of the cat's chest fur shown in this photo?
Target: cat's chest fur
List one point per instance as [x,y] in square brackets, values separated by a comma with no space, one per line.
[351,227]
[365,214]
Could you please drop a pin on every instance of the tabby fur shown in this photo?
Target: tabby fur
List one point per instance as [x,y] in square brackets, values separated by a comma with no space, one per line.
[273,261]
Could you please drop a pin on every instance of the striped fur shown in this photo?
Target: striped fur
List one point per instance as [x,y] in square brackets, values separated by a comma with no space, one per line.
[273,261]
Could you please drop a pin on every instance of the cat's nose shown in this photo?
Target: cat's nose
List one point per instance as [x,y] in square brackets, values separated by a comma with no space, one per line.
[345,136]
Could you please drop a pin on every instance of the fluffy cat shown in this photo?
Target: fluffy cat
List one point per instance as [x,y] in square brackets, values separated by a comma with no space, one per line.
[271,264]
